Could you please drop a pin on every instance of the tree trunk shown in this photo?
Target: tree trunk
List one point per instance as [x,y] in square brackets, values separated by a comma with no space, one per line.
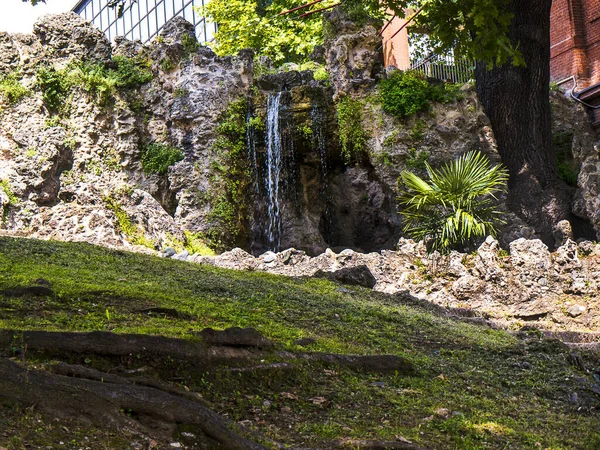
[516,99]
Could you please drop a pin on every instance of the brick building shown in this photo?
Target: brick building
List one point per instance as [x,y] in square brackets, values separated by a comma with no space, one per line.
[575,49]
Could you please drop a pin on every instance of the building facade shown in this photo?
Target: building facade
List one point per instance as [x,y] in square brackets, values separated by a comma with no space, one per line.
[143,19]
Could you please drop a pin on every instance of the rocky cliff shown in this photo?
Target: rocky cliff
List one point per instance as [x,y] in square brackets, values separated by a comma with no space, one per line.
[170,145]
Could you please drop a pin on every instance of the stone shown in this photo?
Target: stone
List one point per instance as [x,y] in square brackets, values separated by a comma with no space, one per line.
[530,254]
[168,252]
[562,233]
[235,337]
[269,257]
[576,310]
[358,276]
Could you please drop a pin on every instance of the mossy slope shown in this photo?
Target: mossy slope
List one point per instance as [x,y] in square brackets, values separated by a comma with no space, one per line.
[474,387]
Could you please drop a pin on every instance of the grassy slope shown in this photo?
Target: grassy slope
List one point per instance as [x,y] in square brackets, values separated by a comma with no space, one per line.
[495,401]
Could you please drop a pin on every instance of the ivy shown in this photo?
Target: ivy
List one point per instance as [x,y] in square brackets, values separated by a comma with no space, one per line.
[231,177]
[353,137]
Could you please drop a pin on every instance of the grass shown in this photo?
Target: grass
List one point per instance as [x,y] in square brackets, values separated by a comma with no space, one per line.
[473,372]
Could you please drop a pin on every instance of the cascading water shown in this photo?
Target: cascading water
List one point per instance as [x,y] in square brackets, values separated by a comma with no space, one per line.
[251,144]
[318,119]
[274,165]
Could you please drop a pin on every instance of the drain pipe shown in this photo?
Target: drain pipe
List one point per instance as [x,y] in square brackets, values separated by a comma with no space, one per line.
[572,92]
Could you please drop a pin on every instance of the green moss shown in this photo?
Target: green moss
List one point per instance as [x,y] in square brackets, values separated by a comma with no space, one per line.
[12,198]
[353,137]
[12,89]
[190,45]
[417,160]
[157,157]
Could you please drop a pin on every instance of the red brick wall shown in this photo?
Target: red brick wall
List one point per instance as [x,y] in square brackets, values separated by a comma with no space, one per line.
[575,41]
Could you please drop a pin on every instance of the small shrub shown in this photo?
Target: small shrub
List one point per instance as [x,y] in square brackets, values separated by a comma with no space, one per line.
[190,45]
[95,80]
[158,157]
[405,93]
[131,72]
[353,138]
[134,234]
[12,89]
[321,74]
[167,65]
[417,160]
[455,206]
[55,86]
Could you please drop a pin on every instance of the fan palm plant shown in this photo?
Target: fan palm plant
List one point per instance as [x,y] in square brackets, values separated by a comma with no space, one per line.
[456,206]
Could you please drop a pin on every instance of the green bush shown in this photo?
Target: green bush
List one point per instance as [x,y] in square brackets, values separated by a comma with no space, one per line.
[102,81]
[353,137]
[12,89]
[157,157]
[55,86]
[405,93]
[456,205]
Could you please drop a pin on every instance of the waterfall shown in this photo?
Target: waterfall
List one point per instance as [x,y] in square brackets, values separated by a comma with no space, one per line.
[251,144]
[274,166]
[318,119]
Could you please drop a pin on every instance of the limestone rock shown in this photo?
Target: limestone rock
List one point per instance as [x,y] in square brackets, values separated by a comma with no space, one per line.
[530,255]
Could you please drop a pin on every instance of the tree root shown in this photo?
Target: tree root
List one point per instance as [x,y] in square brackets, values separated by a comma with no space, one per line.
[109,344]
[117,403]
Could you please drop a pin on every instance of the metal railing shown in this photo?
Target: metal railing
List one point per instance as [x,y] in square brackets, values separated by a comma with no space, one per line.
[143,19]
[445,67]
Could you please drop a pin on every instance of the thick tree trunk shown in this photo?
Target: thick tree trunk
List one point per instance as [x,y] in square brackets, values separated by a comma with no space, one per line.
[516,99]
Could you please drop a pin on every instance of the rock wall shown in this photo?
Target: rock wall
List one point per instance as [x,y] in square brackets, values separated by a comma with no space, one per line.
[80,176]
[527,286]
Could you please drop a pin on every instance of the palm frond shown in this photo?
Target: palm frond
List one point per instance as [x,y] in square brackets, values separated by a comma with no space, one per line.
[456,204]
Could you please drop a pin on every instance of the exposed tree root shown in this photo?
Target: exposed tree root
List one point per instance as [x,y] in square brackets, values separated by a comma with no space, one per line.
[117,403]
[149,407]
[109,344]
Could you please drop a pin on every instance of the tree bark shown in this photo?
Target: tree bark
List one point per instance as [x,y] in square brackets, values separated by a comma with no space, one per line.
[516,99]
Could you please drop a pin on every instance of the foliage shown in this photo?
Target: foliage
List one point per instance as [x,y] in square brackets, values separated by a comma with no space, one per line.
[231,176]
[456,205]
[55,86]
[321,74]
[474,29]
[157,157]
[130,72]
[249,24]
[353,137]
[12,89]
[405,93]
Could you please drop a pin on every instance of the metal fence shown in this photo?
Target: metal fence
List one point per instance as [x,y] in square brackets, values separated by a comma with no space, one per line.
[447,68]
[143,19]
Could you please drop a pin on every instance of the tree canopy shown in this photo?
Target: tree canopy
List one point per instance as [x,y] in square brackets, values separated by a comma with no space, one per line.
[258,25]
